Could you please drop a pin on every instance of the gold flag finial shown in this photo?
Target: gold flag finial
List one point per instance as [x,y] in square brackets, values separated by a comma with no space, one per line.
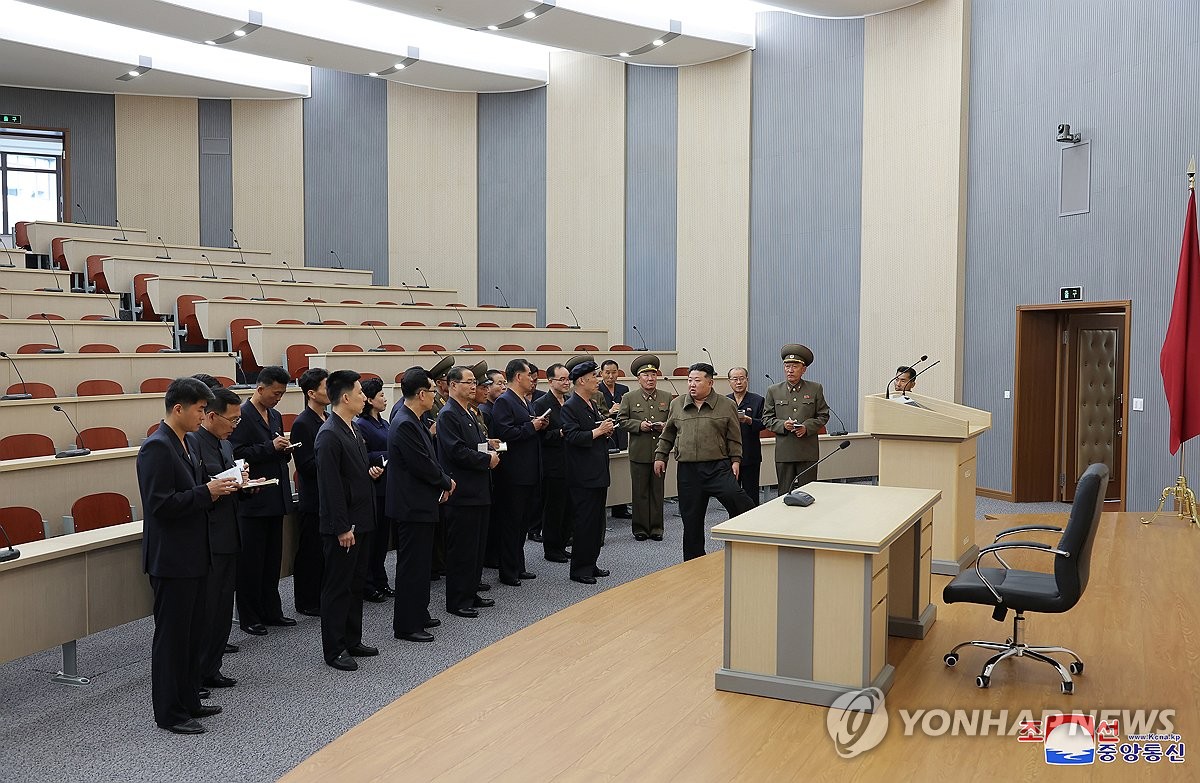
[1191,172]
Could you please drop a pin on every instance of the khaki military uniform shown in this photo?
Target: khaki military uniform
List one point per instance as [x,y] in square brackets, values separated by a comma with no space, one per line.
[647,488]
[804,404]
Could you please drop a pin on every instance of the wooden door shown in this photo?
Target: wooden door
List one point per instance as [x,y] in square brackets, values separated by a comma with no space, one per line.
[1092,405]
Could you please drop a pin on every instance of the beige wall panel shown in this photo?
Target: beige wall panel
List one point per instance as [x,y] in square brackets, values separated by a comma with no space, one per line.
[158,166]
[268,177]
[915,105]
[433,188]
[713,245]
[585,191]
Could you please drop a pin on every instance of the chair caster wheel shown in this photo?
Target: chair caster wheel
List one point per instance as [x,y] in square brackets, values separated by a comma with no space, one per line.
[1076,667]
[982,681]
[950,659]
[1068,687]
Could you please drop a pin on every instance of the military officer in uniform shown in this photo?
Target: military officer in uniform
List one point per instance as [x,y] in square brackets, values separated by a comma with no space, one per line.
[641,416]
[795,411]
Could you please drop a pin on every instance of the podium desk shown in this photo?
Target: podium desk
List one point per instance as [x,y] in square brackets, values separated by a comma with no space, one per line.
[811,594]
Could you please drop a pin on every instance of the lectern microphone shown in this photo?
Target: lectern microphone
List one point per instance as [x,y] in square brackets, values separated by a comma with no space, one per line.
[799,498]
[81,450]
[24,395]
[57,345]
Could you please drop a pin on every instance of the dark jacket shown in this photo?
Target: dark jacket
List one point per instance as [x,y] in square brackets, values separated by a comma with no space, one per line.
[619,438]
[512,423]
[375,434]
[414,478]
[553,460]
[458,437]
[752,406]
[304,432]
[251,441]
[347,492]
[216,456]
[175,504]
[587,457]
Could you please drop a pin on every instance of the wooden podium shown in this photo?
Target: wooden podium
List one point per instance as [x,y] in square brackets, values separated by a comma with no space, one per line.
[931,444]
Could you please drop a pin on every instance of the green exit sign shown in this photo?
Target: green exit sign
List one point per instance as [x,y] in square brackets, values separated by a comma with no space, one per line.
[11,119]
[1070,293]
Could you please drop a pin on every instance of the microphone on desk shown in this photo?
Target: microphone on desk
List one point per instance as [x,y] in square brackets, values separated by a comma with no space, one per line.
[10,264]
[319,321]
[213,276]
[115,316]
[461,323]
[166,257]
[24,395]
[290,272]
[839,418]
[239,373]
[798,497]
[709,355]
[11,554]
[502,296]
[466,346]
[379,347]
[262,298]
[121,238]
[640,337]
[412,301]
[81,451]
[84,213]
[572,312]
[337,258]
[57,289]
[422,274]
[770,380]
[238,245]
[171,348]
[927,369]
[57,345]
[887,392]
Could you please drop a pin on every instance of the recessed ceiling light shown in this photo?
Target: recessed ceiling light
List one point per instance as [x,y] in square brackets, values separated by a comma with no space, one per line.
[530,15]
[372,73]
[659,42]
[240,33]
[400,66]
[493,27]
[135,73]
[624,54]
[211,43]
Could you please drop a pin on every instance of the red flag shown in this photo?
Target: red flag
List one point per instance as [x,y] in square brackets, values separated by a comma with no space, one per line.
[1181,377]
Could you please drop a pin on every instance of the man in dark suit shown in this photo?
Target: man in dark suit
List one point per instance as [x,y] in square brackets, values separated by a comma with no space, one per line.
[585,434]
[259,439]
[750,416]
[416,486]
[347,497]
[459,437]
[556,511]
[613,394]
[520,473]
[309,564]
[211,444]
[175,553]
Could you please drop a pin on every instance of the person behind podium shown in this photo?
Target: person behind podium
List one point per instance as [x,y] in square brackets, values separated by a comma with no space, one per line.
[795,411]
[749,412]
[585,436]
[906,380]
[176,555]
[347,495]
[309,564]
[702,431]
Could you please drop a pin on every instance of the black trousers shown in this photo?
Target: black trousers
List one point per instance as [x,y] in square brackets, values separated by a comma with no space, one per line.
[556,515]
[698,482]
[491,548]
[179,620]
[439,542]
[381,541]
[219,609]
[414,559]
[466,537]
[589,517]
[786,473]
[749,480]
[309,565]
[515,508]
[342,593]
[258,569]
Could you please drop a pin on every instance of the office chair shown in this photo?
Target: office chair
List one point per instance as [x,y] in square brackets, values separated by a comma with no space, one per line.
[1007,588]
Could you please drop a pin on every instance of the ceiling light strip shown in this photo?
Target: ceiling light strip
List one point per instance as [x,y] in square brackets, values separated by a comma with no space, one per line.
[662,40]
[255,23]
[528,16]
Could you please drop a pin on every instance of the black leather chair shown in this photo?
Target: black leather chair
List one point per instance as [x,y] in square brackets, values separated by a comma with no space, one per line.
[1007,588]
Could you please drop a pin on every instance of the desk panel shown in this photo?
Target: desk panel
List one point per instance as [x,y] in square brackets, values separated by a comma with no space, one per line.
[22,304]
[42,233]
[16,257]
[21,278]
[52,485]
[77,251]
[125,335]
[65,371]
[119,272]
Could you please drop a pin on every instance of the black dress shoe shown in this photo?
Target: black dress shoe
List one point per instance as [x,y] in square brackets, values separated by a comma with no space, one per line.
[468,612]
[482,603]
[361,650]
[640,536]
[220,681]
[432,622]
[536,537]
[283,621]
[527,575]
[483,587]
[587,580]
[204,693]
[557,557]
[434,577]
[309,611]
[374,597]
[656,536]
[206,710]
[191,726]
[255,629]
[388,592]
[600,572]
[510,582]
[416,636]
[230,649]
[344,662]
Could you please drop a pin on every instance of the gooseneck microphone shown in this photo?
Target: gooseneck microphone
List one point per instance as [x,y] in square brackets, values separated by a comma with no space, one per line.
[213,276]
[461,323]
[290,272]
[115,316]
[81,450]
[121,238]
[337,258]
[379,347]
[11,554]
[709,355]
[640,337]
[262,298]
[411,301]
[239,373]
[57,289]
[57,345]
[800,498]
[887,392]
[502,296]
[422,274]
[171,348]
[572,312]
[166,257]
[24,395]
[238,245]
[82,212]
[770,380]
[927,369]
[9,264]
[466,346]
[839,418]
[319,321]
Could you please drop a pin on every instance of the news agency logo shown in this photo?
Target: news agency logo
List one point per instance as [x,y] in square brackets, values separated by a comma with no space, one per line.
[857,721]
[1070,739]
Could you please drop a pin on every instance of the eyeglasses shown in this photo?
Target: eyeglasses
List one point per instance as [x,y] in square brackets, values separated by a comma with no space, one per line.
[467,383]
[236,420]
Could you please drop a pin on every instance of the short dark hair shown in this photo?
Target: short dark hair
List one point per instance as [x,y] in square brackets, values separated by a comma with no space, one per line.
[311,379]
[340,382]
[553,369]
[370,387]
[207,380]
[703,367]
[187,391]
[413,381]
[269,376]
[224,398]
[604,364]
[910,372]
[456,373]
[516,367]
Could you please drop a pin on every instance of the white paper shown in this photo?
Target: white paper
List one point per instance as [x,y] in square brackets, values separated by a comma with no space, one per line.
[234,473]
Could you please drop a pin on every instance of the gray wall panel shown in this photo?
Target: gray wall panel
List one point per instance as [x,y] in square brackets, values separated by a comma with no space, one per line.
[1121,78]
[345,172]
[215,120]
[91,122]
[651,200]
[512,199]
[806,201]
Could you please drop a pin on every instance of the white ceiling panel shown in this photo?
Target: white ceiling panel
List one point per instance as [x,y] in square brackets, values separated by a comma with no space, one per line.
[460,13]
[840,9]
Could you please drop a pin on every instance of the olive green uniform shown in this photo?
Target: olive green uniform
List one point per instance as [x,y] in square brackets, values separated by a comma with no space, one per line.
[647,488]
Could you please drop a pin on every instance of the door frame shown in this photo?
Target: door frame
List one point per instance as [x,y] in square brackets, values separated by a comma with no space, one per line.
[1036,415]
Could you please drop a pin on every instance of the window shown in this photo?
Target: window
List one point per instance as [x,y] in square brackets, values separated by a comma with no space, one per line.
[31,176]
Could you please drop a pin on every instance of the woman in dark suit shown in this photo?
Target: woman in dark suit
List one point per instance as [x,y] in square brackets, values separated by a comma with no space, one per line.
[374,429]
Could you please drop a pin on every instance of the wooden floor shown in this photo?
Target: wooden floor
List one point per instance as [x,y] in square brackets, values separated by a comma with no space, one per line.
[620,687]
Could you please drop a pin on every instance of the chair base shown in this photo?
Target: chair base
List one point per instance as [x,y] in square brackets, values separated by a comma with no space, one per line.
[1015,647]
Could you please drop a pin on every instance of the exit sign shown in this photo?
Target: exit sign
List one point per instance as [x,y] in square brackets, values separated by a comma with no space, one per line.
[1071,293]
[11,119]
